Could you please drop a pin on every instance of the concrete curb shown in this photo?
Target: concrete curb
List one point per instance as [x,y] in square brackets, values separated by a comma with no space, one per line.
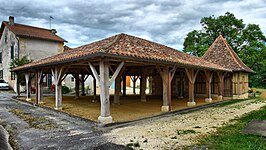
[4,144]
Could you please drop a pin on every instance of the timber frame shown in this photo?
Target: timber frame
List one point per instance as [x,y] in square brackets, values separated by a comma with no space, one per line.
[168,79]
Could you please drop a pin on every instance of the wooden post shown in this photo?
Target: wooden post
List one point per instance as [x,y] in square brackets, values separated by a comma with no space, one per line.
[238,84]
[83,85]
[208,75]
[150,84]
[124,85]
[117,90]
[94,90]
[167,77]
[143,85]
[191,74]
[77,85]
[220,86]
[28,90]
[58,74]
[181,85]
[39,91]
[18,85]
[105,83]
[134,79]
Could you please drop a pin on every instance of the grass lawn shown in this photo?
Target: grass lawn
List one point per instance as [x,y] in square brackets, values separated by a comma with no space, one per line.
[230,136]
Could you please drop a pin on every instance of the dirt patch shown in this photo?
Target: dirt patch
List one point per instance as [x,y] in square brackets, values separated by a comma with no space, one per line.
[34,121]
[130,107]
[183,129]
[263,94]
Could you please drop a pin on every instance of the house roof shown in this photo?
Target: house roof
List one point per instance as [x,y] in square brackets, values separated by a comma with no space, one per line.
[31,32]
[125,47]
[220,52]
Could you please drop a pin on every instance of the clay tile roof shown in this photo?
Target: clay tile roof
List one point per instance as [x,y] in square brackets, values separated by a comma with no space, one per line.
[220,52]
[32,32]
[127,47]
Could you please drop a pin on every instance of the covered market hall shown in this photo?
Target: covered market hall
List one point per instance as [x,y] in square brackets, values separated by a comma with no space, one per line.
[171,74]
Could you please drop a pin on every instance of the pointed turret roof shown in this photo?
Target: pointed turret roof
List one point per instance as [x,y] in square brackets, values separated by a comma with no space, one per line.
[221,53]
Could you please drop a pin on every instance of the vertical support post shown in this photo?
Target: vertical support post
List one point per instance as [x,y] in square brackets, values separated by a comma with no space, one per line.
[208,75]
[238,84]
[76,85]
[143,85]
[94,90]
[117,89]
[134,79]
[105,116]
[191,81]
[150,84]
[105,84]
[220,86]
[83,85]
[166,96]
[27,78]
[18,85]
[57,74]
[167,77]
[124,85]
[181,85]
[39,93]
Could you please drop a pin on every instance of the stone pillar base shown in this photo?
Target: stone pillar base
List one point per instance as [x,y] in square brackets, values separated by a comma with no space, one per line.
[58,108]
[208,100]
[143,100]
[28,99]
[165,108]
[191,104]
[105,120]
[220,97]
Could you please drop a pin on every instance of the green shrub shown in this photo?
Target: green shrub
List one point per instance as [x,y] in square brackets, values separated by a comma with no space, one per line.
[65,89]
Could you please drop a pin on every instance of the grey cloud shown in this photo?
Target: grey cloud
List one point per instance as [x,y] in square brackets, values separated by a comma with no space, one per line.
[164,21]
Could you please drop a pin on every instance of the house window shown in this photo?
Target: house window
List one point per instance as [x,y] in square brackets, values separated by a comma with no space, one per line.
[0,57]
[13,76]
[12,52]
[72,79]
[1,74]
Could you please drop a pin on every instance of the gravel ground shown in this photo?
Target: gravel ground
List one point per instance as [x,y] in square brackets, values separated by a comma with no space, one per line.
[180,130]
[38,128]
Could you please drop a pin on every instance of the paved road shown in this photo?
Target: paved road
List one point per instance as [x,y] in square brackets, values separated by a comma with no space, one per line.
[58,131]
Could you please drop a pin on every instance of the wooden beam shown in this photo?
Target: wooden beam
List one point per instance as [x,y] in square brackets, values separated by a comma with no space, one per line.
[192,75]
[57,75]
[28,90]
[94,72]
[118,69]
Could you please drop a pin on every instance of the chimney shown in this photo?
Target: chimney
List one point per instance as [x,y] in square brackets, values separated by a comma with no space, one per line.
[54,31]
[11,20]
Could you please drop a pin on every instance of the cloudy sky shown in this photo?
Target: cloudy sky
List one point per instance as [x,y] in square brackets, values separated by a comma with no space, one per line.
[163,21]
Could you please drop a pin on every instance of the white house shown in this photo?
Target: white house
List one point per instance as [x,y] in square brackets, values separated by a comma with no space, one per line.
[18,40]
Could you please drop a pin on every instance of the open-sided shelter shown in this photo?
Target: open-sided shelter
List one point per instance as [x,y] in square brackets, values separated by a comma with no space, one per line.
[174,74]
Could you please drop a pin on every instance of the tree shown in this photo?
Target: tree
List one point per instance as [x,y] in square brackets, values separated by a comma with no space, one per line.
[19,62]
[247,41]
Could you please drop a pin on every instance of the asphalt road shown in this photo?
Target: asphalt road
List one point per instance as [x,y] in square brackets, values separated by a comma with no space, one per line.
[36,128]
